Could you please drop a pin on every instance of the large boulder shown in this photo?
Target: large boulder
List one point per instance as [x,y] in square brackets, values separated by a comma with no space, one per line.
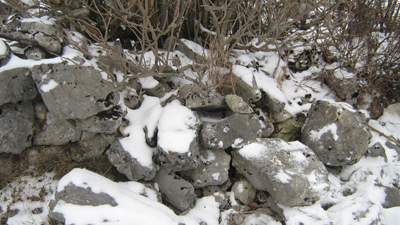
[175,190]
[17,85]
[236,131]
[178,130]
[16,127]
[129,165]
[338,134]
[289,171]
[213,169]
[74,92]
[81,192]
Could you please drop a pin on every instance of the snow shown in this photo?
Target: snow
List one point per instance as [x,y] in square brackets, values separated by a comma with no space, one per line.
[136,204]
[146,116]
[3,48]
[148,82]
[331,128]
[44,19]
[210,157]
[49,86]
[177,128]
[216,176]
[282,176]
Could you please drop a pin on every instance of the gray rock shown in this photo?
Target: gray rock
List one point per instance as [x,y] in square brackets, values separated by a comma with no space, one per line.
[237,105]
[289,171]
[93,147]
[35,26]
[249,94]
[376,150]
[196,98]
[236,131]
[128,165]
[392,197]
[35,53]
[244,191]
[5,53]
[178,142]
[16,127]
[175,190]
[288,130]
[57,132]
[182,46]
[17,85]
[218,194]
[132,100]
[103,122]
[213,169]
[341,137]
[79,196]
[74,92]
[157,90]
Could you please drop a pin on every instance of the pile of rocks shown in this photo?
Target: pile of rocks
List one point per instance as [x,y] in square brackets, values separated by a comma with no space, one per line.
[238,152]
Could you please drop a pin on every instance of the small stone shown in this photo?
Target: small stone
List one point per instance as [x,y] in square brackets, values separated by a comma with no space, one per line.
[236,104]
[244,191]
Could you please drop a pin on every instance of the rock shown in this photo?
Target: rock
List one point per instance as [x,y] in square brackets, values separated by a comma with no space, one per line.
[128,165]
[35,53]
[17,85]
[218,194]
[248,93]
[153,87]
[244,191]
[91,148]
[213,169]
[103,122]
[196,98]
[236,131]
[376,150]
[132,100]
[74,92]
[289,171]
[341,137]
[237,105]
[288,130]
[175,190]
[178,132]
[183,46]
[5,53]
[84,192]
[392,197]
[57,132]
[16,127]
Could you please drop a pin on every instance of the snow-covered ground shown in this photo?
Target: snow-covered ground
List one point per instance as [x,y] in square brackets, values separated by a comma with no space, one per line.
[366,180]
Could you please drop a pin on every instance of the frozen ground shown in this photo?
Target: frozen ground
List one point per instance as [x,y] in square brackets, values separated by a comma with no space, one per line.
[366,180]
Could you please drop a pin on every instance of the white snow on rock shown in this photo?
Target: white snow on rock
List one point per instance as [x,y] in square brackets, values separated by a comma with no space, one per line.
[177,128]
[3,47]
[283,177]
[146,116]
[132,208]
[49,86]
[210,157]
[148,82]
[331,128]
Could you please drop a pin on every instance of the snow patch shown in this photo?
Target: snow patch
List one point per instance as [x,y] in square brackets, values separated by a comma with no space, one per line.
[49,86]
[283,177]
[332,128]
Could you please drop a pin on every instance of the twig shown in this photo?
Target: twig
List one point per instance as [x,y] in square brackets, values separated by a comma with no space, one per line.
[384,135]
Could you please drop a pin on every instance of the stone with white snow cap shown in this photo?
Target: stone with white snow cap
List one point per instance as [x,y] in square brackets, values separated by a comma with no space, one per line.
[236,131]
[103,122]
[98,200]
[213,169]
[178,130]
[244,191]
[338,134]
[129,165]
[74,92]
[289,171]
